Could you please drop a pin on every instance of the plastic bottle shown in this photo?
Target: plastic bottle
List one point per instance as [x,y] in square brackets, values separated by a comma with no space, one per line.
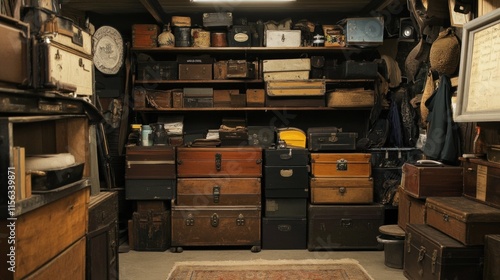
[146,135]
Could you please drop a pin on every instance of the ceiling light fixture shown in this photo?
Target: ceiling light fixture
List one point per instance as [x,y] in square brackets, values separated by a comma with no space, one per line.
[235,1]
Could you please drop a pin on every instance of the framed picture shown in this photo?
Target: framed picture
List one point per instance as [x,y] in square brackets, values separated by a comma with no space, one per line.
[478,96]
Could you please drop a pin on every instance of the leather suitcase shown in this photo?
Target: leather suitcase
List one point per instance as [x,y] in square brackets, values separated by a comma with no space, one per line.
[481,181]
[151,230]
[284,233]
[463,219]
[256,97]
[424,180]
[218,191]
[430,254]
[261,136]
[145,35]
[195,71]
[15,54]
[340,227]
[410,210]
[286,177]
[341,190]
[330,139]
[150,189]
[491,255]
[157,70]
[242,162]
[152,162]
[285,207]
[341,164]
[217,19]
[216,226]
[286,157]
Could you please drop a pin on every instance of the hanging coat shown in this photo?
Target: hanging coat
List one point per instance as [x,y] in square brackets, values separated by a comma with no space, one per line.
[443,138]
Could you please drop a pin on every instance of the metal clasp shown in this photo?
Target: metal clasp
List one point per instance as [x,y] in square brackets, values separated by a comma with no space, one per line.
[446,218]
[333,138]
[218,162]
[342,165]
[214,220]
[282,37]
[240,221]
[342,190]
[434,259]
[421,253]
[190,220]
[216,193]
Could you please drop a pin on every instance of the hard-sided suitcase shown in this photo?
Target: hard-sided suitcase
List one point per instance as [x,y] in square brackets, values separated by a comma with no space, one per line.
[150,189]
[341,164]
[330,139]
[296,88]
[216,226]
[218,191]
[243,162]
[15,54]
[285,207]
[286,177]
[481,181]
[151,231]
[341,227]
[430,254]
[284,233]
[152,162]
[463,219]
[410,210]
[341,190]
[286,65]
[286,157]
[491,255]
[424,180]
[145,35]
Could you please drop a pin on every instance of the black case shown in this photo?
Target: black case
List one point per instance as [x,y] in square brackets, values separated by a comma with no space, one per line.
[286,157]
[286,177]
[340,227]
[217,19]
[284,233]
[330,139]
[491,257]
[239,36]
[151,231]
[262,136]
[149,189]
[287,193]
[286,207]
[157,70]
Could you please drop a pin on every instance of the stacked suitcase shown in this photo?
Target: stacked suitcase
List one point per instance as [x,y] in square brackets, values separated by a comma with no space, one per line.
[218,200]
[150,181]
[286,190]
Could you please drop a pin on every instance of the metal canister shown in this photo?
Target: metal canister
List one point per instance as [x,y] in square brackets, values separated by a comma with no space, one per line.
[182,36]
[201,38]
[219,39]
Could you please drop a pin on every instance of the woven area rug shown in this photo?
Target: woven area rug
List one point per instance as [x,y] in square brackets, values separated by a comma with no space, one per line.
[343,269]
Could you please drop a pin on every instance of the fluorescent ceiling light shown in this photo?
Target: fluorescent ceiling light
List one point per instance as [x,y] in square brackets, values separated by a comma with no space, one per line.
[235,1]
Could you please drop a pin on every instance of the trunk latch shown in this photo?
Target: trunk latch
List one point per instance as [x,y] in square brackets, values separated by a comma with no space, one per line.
[216,193]
[342,165]
[214,220]
[190,220]
[240,221]
[218,161]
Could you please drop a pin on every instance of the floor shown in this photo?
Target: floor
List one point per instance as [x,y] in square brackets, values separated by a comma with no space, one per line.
[157,265]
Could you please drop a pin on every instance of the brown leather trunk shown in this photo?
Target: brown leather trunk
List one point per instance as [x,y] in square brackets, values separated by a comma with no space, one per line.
[341,190]
[195,71]
[491,254]
[421,181]
[481,181]
[216,225]
[15,55]
[218,191]
[152,162]
[341,164]
[463,219]
[145,35]
[410,210]
[430,254]
[219,162]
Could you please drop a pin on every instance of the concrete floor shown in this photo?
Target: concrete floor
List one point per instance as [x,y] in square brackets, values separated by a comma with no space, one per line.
[156,265]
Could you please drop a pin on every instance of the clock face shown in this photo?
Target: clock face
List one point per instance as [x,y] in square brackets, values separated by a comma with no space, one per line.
[108,50]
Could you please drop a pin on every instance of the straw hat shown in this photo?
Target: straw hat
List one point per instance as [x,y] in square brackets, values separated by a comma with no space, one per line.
[445,53]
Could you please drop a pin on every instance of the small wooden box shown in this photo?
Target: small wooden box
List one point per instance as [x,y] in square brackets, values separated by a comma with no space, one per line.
[145,35]
[222,97]
[283,38]
[421,180]
[157,99]
[350,98]
[238,100]
[177,98]
[341,164]
[256,97]
[220,70]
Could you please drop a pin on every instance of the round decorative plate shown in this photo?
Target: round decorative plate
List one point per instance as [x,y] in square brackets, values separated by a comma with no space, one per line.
[108,50]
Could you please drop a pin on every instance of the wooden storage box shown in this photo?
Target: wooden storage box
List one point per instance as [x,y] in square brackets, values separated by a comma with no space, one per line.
[150,189]
[350,98]
[222,97]
[421,180]
[219,162]
[217,19]
[284,233]
[463,219]
[482,181]
[150,162]
[410,210]
[341,164]
[286,65]
[283,38]
[240,69]
[145,35]
[256,97]
[218,191]
[286,76]
[238,100]
[296,88]
[151,230]
[194,71]
[220,70]
[158,99]
[341,190]
[430,254]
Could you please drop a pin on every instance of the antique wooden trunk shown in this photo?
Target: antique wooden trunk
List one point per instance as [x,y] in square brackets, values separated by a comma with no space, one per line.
[284,233]
[216,225]
[151,230]
[491,257]
[341,190]
[339,227]
[463,219]
[285,207]
[152,162]
[15,54]
[423,180]
[330,139]
[192,71]
[150,189]
[219,162]
[218,191]
[430,254]
[410,210]
[341,164]
[481,181]
[145,35]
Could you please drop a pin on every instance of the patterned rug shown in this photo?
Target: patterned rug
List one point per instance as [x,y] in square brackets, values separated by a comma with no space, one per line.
[344,269]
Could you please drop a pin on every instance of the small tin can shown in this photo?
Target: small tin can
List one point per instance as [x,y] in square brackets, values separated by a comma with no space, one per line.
[182,36]
[201,38]
[219,39]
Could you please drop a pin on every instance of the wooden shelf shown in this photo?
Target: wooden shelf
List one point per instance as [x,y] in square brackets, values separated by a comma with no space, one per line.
[249,49]
[235,81]
[153,110]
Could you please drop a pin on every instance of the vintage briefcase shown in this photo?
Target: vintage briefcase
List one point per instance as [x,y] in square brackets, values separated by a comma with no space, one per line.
[150,189]
[219,162]
[157,70]
[350,98]
[218,191]
[341,190]
[151,231]
[153,162]
[281,233]
[410,210]
[491,253]
[15,54]
[285,207]
[463,219]
[341,164]
[481,181]
[195,71]
[145,35]
[430,254]
[330,139]
[219,226]
[217,19]
[286,157]
[422,180]
[339,227]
